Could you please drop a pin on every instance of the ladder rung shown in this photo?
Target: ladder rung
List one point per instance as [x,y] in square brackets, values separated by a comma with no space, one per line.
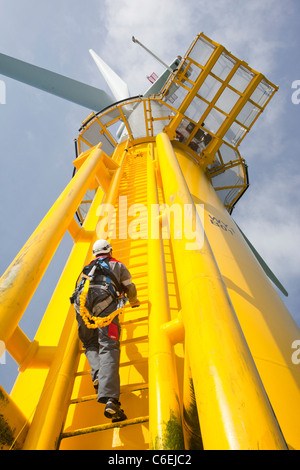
[136,255]
[124,389]
[139,185]
[104,427]
[135,340]
[137,199]
[133,362]
[74,401]
[82,373]
[137,193]
[133,388]
[142,175]
[139,288]
[128,244]
[139,275]
[138,265]
[142,302]
[131,246]
[135,320]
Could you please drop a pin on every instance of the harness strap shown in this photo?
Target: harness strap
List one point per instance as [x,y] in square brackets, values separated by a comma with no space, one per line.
[104,304]
[91,321]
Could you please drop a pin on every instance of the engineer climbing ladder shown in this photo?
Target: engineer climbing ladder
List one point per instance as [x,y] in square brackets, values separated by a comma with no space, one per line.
[99,299]
[209,346]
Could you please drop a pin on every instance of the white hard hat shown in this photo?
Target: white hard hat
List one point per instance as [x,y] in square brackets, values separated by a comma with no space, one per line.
[101,246]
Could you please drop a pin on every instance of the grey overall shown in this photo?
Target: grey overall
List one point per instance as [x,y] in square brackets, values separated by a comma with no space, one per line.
[102,346]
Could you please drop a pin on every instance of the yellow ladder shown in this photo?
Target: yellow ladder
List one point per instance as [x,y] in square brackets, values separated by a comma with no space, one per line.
[85,415]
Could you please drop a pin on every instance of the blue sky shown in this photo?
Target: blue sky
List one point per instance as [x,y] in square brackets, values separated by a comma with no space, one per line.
[38,130]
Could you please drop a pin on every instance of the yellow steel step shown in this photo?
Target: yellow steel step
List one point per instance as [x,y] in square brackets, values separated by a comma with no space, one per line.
[135,340]
[104,427]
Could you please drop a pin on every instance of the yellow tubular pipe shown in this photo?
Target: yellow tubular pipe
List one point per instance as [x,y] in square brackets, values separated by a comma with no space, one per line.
[164,413]
[29,353]
[234,411]
[20,280]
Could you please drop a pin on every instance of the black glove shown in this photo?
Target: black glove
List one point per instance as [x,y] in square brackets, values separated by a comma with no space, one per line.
[135,303]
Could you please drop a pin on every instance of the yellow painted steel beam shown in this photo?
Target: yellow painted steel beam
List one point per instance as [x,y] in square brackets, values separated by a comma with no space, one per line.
[29,353]
[234,410]
[13,424]
[45,428]
[104,173]
[164,410]
[20,280]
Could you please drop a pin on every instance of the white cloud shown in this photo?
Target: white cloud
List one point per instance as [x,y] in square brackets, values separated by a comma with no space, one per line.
[158,21]
[267,140]
[250,30]
[160,25]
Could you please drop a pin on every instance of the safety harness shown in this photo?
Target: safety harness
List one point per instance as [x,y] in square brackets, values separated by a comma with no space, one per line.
[97,271]
[103,275]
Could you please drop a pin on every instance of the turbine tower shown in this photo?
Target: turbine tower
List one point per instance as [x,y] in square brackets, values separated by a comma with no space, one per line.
[206,360]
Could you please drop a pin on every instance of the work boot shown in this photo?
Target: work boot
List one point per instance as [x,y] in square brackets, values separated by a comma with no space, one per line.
[113,410]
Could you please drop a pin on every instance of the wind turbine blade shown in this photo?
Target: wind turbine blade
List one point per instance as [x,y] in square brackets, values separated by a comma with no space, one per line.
[117,86]
[54,83]
[264,265]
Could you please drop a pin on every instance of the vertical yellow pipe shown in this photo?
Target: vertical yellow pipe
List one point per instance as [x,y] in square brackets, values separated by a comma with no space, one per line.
[164,410]
[20,280]
[233,408]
